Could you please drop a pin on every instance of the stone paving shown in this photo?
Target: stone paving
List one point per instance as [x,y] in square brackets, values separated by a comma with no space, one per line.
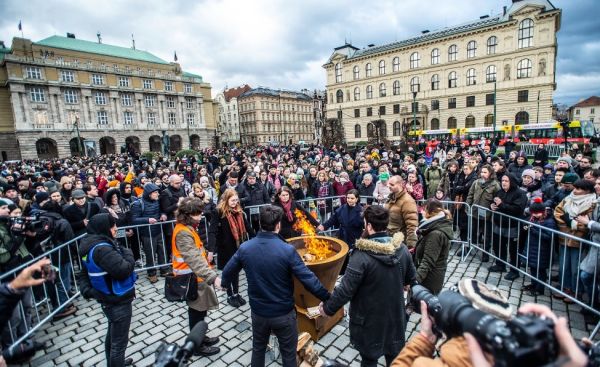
[79,340]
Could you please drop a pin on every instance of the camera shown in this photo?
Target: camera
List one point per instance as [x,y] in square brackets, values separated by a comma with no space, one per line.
[172,355]
[18,225]
[525,340]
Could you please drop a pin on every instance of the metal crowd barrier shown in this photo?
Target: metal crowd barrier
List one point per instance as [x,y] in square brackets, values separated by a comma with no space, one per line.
[554,150]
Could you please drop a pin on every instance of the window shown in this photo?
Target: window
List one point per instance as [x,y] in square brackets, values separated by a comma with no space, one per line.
[396,88]
[452,80]
[382,67]
[338,73]
[471,77]
[357,94]
[149,100]
[356,72]
[490,74]
[415,85]
[435,104]
[369,92]
[382,90]
[415,60]
[170,102]
[396,64]
[452,52]
[151,118]
[71,96]
[435,56]
[396,108]
[470,121]
[357,131]
[397,129]
[102,117]
[123,81]
[33,72]
[592,111]
[126,99]
[435,82]
[370,129]
[369,111]
[169,86]
[97,79]
[172,118]
[148,84]
[127,117]
[100,98]
[191,119]
[470,101]
[37,94]
[190,102]
[451,102]
[523,96]
[339,96]
[522,118]
[67,76]
[471,48]
[489,120]
[524,69]
[368,70]
[452,123]
[526,33]
[492,42]
[435,124]
[489,99]
[187,88]
[381,110]
[357,112]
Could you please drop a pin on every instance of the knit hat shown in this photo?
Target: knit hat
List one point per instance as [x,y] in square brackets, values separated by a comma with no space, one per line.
[41,196]
[528,172]
[4,202]
[486,298]
[549,166]
[564,159]
[537,206]
[384,176]
[521,154]
[78,194]
[570,178]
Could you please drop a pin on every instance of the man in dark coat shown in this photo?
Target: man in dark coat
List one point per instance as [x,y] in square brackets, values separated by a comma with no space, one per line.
[80,212]
[169,199]
[378,270]
[255,194]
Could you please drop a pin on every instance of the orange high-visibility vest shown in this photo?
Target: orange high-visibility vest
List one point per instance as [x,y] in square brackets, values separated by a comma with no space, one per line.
[179,265]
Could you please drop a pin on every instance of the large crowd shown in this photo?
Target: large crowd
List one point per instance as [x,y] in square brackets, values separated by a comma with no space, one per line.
[183,215]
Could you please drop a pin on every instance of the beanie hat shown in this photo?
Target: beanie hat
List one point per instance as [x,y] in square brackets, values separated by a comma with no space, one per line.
[564,159]
[4,201]
[528,172]
[537,206]
[41,196]
[570,178]
[78,194]
[485,297]
[549,166]
[522,154]
[384,176]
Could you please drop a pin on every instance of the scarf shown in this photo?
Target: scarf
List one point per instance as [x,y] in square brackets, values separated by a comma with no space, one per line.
[236,224]
[577,204]
[287,208]
[275,181]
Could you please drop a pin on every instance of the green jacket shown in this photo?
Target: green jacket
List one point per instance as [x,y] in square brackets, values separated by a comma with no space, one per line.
[431,255]
[482,193]
[13,251]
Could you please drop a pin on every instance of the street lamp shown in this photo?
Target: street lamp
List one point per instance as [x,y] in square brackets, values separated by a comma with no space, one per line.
[414,108]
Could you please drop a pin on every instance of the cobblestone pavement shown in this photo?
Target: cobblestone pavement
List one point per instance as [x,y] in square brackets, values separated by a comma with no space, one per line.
[78,340]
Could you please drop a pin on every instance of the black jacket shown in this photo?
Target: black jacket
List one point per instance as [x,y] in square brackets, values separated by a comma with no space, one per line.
[75,216]
[169,198]
[8,302]
[256,194]
[514,202]
[221,240]
[286,230]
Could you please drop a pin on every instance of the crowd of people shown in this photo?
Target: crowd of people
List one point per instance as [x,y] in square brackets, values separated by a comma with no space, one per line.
[188,215]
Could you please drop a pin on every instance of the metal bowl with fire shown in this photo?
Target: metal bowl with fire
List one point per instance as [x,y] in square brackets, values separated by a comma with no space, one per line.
[324,256]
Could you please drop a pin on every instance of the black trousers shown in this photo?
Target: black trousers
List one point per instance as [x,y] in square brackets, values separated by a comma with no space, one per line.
[234,288]
[285,329]
[117,333]
[366,361]
[195,316]
[506,249]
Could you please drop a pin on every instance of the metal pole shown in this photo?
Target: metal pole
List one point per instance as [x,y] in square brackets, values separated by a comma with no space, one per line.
[494,119]
[79,145]
[414,114]
[537,117]
[188,132]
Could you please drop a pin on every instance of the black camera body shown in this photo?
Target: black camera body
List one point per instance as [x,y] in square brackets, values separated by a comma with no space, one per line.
[173,355]
[525,340]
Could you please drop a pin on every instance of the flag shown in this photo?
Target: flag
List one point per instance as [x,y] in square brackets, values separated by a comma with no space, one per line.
[175,56]
[20,26]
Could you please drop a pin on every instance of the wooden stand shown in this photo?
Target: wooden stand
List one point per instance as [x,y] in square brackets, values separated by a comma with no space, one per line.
[319,326]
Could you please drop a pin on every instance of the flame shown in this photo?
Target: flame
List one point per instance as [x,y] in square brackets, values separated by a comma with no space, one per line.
[317,247]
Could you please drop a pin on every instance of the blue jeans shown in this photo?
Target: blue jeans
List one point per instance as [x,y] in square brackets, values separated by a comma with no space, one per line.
[117,333]
[568,267]
[590,288]
[63,284]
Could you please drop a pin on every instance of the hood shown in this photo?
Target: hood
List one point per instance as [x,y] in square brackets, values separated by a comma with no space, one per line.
[149,188]
[384,249]
[439,222]
[513,181]
[98,230]
[109,194]
[122,190]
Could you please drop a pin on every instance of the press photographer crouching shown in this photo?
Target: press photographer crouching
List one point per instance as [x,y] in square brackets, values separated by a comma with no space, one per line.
[479,318]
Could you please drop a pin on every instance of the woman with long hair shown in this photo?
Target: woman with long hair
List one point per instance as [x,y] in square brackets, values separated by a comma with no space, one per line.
[190,256]
[228,229]
[285,200]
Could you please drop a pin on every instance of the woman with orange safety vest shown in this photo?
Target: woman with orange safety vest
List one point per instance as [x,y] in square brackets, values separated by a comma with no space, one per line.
[189,255]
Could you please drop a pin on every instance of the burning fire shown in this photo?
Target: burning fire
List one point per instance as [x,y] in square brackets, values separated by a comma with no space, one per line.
[317,248]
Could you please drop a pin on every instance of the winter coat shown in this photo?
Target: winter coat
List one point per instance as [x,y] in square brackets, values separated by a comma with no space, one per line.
[463,185]
[256,194]
[76,216]
[433,176]
[142,212]
[381,191]
[350,222]
[517,171]
[341,189]
[8,302]
[541,157]
[326,204]
[61,233]
[482,193]
[221,240]
[431,254]
[564,222]
[540,242]
[418,352]
[378,269]
[169,199]
[591,262]
[513,204]
[365,192]
[403,216]
[448,183]
[287,230]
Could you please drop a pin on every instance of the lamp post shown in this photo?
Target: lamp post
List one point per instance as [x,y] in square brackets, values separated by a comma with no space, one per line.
[494,118]
[79,145]
[414,108]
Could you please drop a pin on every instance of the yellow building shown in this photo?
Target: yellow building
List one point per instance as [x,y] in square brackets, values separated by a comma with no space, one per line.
[113,96]
[450,78]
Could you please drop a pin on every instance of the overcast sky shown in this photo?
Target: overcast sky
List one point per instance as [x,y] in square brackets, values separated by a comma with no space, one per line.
[284,43]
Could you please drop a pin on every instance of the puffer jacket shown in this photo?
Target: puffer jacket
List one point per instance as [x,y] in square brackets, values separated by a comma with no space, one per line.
[144,209]
[517,170]
[566,225]
[431,252]
[591,262]
[433,176]
[540,242]
[482,193]
[403,216]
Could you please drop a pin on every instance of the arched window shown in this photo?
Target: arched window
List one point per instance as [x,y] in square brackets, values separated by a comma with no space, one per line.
[452,123]
[452,52]
[356,72]
[415,85]
[435,82]
[492,42]
[471,48]
[397,128]
[415,60]
[369,91]
[382,67]
[435,56]
[489,120]
[435,124]
[524,69]
[357,94]
[471,77]
[522,118]
[339,96]
[470,121]
[526,33]
[370,129]
[382,129]
[368,70]
[357,131]
[396,64]
[382,90]
[452,79]
[396,88]
[338,73]
[490,74]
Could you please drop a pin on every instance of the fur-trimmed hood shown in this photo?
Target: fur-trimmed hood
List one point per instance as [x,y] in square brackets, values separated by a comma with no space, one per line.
[381,245]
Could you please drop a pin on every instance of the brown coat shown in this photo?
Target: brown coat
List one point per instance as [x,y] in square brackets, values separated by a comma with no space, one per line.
[581,231]
[403,216]
[207,299]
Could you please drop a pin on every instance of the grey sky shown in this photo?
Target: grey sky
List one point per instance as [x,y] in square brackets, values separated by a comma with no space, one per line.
[283,44]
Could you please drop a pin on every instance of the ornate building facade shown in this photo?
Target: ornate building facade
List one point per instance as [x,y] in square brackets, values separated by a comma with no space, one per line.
[228,117]
[451,78]
[112,97]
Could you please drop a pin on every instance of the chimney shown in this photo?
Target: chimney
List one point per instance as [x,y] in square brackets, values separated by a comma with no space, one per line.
[70,35]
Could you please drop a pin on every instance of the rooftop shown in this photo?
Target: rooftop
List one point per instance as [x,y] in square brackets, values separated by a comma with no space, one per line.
[274,93]
[588,102]
[235,92]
